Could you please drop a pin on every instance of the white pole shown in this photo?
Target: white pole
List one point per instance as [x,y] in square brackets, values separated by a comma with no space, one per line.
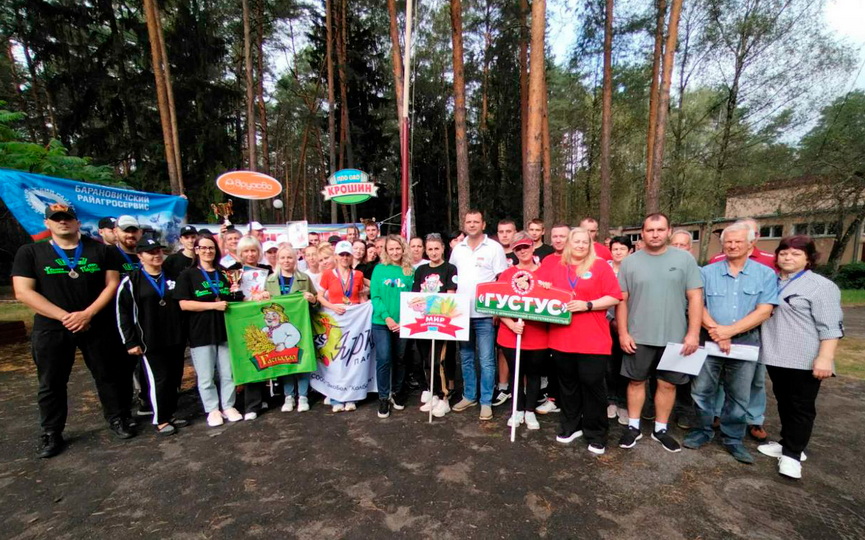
[516,387]
[432,374]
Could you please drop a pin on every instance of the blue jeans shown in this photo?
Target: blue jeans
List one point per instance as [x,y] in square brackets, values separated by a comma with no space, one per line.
[302,384]
[737,376]
[209,360]
[389,360]
[482,336]
[757,401]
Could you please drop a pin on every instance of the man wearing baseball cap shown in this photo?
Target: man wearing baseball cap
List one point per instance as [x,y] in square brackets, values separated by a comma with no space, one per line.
[180,261]
[69,282]
[256,230]
[128,233]
[106,230]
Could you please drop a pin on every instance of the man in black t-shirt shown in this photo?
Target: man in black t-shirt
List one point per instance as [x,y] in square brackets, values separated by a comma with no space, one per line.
[536,230]
[178,262]
[69,281]
[128,232]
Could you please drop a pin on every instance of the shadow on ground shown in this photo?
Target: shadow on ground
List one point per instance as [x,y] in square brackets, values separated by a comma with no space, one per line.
[325,475]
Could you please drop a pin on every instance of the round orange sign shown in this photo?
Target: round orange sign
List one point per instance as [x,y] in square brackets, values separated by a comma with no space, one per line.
[249,185]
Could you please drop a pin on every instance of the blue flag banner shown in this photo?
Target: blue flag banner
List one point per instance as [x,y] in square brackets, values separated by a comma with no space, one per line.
[28,194]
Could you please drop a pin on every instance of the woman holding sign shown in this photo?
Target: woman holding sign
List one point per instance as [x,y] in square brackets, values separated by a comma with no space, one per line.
[582,349]
[286,280]
[391,277]
[534,341]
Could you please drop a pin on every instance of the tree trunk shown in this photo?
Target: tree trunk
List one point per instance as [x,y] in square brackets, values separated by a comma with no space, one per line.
[161,94]
[15,87]
[462,147]
[169,90]
[250,103]
[345,153]
[524,83]
[532,180]
[262,106]
[396,60]
[549,206]
[448,185]
[331,100]
[652,204]
[663,105]
[605,199]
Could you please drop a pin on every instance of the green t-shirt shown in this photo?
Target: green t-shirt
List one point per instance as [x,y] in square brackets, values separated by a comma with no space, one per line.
[387,282]
[657,300]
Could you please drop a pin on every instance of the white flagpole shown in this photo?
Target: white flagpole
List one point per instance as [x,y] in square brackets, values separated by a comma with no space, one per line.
[516,387]
[432,374]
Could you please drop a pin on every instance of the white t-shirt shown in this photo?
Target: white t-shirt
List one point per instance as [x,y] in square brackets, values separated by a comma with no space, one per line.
[481,265]
[417,264]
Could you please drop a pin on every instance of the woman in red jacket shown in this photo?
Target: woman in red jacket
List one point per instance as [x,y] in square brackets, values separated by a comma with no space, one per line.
[582,349]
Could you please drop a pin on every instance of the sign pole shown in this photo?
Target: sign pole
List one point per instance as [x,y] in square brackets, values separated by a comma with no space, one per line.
[432,363]
[516,386]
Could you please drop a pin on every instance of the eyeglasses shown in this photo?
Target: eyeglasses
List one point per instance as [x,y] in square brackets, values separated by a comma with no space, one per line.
[206,248]
[344,254]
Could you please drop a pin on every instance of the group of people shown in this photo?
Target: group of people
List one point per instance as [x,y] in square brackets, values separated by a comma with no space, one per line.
[132,311]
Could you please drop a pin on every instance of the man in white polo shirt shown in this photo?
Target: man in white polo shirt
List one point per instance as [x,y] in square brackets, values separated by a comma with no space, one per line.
[479,259]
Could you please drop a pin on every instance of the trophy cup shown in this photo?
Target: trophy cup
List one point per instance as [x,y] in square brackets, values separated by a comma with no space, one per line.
[234,279]
[222,210]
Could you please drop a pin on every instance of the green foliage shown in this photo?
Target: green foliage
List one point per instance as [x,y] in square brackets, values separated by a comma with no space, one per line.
[851,276]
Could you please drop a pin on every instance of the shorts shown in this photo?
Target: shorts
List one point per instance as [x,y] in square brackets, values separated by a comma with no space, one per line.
[644,364]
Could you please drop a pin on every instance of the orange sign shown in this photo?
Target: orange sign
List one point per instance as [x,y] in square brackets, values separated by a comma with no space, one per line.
[249,185]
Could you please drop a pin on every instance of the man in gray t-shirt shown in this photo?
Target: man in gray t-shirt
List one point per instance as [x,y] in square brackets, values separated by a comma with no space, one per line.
[662,302]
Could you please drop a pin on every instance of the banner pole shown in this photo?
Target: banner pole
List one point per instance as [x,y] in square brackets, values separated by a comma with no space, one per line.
[516,386]
[432,373]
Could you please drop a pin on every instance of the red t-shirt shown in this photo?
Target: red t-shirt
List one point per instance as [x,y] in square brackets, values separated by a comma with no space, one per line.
[335,290]
[602,252]
[757,255]
[534,332]
[589,331]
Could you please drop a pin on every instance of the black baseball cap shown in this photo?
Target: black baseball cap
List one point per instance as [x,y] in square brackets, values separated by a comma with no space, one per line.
[107,223]
[334,239]
[188,229]
[147,244]
[56,210]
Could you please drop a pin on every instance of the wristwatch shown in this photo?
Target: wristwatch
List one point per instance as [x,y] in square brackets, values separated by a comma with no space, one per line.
[589,306]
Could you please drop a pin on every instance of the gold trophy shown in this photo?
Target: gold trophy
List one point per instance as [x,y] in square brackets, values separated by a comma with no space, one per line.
[234,279]
[223,210]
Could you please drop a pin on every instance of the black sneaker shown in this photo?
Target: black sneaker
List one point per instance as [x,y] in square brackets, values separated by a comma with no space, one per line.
[179,422]
[648,411]
[50,444]
[567,438]
[383,408]
[597,448]
[630,437]
[667,441]
[398,402]
[501,397]
[120,429]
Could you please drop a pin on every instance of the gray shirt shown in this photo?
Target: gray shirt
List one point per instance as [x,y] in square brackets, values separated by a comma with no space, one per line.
[808,311]
[657,299]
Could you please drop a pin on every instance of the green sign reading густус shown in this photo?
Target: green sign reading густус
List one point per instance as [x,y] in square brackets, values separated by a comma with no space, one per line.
[523,298]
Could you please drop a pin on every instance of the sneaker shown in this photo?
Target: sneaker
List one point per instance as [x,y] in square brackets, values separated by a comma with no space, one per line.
[758,433]
[383,408]
[516,419]
[612,411]
[250,416]
[549,406]
[775,450]
[542,399]
[179,422]
[289,404]
[144,411]
[501,397]
[685,421]
[648,411]
[441,408]
[338,408]
[622,413]
[695,439]
[232,415]
[425,396]
[327,401]
[567,438]
[214,418]
[120,430]
[789,467]
[167,429]
[350,406]
[740,454]
[397,402]
[302,404]
[486,412]
[412,383]
[532,421]
[464,404]
[630,437]
[597,449]
[667,441]
[50,444]
[430,404]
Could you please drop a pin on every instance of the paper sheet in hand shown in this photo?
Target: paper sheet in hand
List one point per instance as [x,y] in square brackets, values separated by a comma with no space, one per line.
[749,353]
[672,360]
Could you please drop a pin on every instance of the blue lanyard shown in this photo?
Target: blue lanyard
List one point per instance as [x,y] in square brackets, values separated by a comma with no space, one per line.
[573,282]
[129,260]
[75,258]
[282,288]
[346,292]
[789,281]
[213,284]
[158,285]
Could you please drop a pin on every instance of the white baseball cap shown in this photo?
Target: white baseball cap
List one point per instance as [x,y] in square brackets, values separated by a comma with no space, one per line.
[342,247]
[256,226]
[270,244]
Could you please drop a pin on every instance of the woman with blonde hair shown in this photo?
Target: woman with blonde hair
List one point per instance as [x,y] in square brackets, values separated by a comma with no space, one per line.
[391,277]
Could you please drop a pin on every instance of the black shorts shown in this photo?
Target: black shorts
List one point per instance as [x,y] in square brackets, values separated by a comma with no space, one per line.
[644,364]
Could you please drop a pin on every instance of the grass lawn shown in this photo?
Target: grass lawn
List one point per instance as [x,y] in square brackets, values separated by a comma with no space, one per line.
[853,297]
[14,311]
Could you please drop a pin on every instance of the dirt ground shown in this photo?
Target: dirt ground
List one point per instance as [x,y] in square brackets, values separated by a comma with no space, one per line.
[351,475]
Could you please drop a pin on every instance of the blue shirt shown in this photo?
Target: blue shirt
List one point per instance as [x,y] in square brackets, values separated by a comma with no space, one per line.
[730,298]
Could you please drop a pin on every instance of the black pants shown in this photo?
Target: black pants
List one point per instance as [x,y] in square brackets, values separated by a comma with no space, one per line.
[143,380]
[617,386]
[796,393]
[54,354]
[551,373]
[253,396]
[163,370]
[531,365]
[583,394]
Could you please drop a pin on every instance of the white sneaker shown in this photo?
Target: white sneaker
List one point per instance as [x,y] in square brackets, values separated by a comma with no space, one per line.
[611,412]
[622,413]
[516,419]
[429,404]
[232,415]
[532,421]
[327,401]
[214,418]
[302,404]
[289,404]
[250,416]
[775,450]
[426,396]
[441,408]
[789,467]
[549,406]
[338,408]
[350,406]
